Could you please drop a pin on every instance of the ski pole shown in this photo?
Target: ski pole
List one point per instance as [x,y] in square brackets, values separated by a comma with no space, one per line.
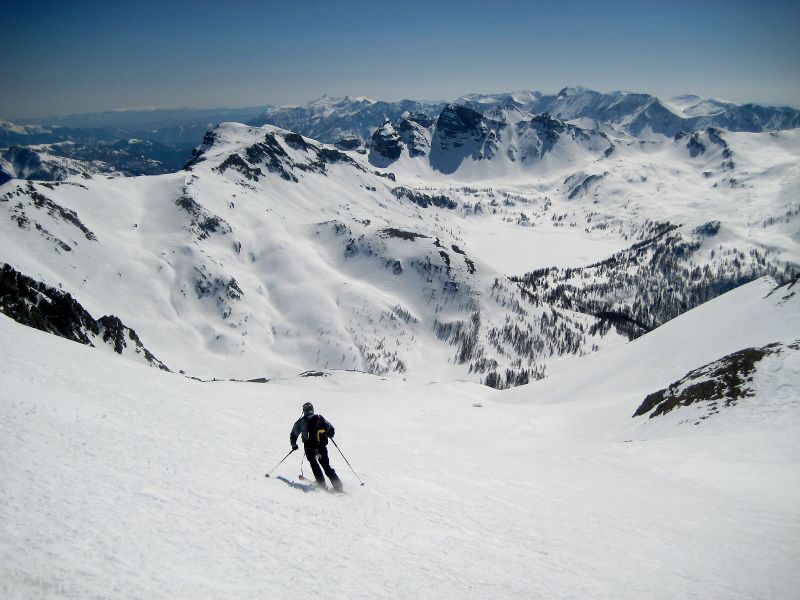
[302,476]
[347,461]
[279,464]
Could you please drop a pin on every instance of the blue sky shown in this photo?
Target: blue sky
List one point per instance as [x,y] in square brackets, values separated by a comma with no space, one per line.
[68,57]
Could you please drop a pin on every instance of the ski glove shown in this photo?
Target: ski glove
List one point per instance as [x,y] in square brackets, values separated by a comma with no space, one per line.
[294,446]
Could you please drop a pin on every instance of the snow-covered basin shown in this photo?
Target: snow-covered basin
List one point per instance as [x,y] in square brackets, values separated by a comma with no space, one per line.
[120,481]
[514,250]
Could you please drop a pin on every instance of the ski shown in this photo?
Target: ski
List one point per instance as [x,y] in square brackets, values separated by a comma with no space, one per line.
[308,487]
[305,487]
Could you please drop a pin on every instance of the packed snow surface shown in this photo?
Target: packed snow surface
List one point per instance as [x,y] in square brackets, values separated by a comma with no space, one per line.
[121,481]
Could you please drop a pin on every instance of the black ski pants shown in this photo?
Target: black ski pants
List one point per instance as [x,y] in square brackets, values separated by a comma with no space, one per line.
[322,452]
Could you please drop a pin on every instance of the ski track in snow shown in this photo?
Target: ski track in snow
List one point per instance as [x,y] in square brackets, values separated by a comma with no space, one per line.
[122,482]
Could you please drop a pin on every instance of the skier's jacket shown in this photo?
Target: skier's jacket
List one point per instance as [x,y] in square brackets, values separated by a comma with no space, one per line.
[314,430]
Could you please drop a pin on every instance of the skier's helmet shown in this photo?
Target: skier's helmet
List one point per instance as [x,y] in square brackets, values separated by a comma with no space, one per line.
[308,409]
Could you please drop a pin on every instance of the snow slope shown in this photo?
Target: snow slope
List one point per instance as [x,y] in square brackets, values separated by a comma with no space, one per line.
[121,481]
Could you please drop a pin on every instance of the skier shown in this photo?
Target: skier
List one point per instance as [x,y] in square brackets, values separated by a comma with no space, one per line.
[315,431]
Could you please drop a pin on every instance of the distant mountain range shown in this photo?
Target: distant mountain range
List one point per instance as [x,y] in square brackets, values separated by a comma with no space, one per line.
[640,115]
[331,120]
[150,141]
[126,142]
[145,119]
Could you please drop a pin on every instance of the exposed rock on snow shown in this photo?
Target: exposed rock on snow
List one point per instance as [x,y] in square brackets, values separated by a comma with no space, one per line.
[42,307]
[653,281]
[27,207]
[719,384]
[386,142]
[415,131]
[463,133]
[349,143]
[422,199]
[580,183]
[284,153]
[203,224]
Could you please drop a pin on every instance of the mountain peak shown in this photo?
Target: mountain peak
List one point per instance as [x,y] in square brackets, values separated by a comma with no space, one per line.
[568,91]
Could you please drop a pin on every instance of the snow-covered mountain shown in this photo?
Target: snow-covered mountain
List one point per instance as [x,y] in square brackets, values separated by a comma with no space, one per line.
[13,134]
[487,248]
[333,119]
[165,136]
[145,141]
[48,163]
[57,161]
[640,115]
[463,140]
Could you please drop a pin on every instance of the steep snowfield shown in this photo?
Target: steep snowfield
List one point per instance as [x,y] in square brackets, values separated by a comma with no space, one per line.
[120,481]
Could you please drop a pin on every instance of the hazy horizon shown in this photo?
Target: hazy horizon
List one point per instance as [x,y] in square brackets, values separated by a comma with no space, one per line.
[143,108]
[85,57]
